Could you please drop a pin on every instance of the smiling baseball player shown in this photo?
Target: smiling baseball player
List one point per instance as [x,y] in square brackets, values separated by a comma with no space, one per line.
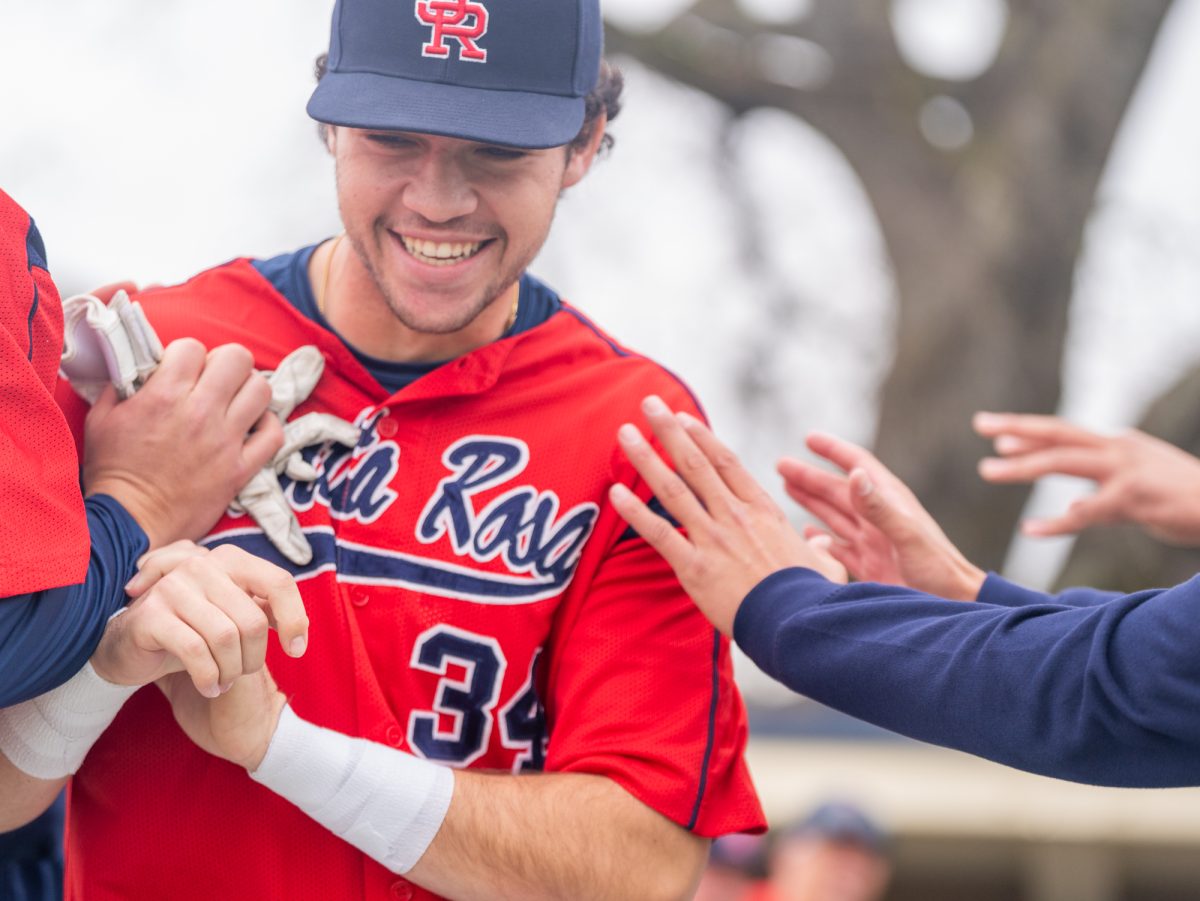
[507,693]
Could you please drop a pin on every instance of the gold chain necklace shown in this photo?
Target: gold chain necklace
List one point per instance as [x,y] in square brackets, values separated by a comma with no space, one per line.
[322,298]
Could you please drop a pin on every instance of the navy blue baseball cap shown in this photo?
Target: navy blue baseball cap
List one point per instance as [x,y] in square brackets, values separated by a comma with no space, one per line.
[511,72]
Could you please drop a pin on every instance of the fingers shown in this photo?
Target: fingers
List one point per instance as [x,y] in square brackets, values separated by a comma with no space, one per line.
[276,591]
[822,493]
[226,370]
[250,401]
[230,624]
[834,514]
[693,464]
[1043,429]
[1101,508]
[107,292]
[182,363]
[873,506]
[174,637]
[668,487]
[658,533]
[1010,445]
[723,460]
[1083,462]
[156,564]
[264,442]
[841,453]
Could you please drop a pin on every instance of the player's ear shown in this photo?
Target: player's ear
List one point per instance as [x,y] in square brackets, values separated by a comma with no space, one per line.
[581,157]
[330,136]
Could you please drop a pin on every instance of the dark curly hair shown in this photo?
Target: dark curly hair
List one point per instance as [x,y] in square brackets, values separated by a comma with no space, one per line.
[604,98]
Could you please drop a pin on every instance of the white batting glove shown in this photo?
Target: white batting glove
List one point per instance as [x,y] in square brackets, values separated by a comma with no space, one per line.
[263,499]
[107,344]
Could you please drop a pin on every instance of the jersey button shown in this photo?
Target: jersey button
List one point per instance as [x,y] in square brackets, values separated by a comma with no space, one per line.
[387,427]
[359,598]
[394,736]
[402,890]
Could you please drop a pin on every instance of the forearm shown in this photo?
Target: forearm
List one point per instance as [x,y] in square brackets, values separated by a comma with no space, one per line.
[470,835]
[46,637]
[1101,694]
[557,835]
[25,797]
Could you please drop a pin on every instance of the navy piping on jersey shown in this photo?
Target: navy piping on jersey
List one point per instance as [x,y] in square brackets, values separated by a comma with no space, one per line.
[288,274]
[622,352]
[29,323]
[35,253]
[712,728]
[655,506]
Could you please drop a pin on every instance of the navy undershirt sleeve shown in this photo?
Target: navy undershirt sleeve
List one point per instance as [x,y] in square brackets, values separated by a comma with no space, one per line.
[1001,592]
[1106,693]
[47,636]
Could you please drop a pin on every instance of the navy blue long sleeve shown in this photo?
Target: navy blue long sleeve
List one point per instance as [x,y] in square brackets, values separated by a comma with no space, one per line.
[1103,689]
[46,637]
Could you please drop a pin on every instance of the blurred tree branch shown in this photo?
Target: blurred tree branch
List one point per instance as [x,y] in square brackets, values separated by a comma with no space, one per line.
[983,240]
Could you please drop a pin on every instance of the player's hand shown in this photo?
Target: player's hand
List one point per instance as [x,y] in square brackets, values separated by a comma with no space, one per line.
[1139,478]
[203,613]
[237,726]
[877,528]
[736,535]
[177,452]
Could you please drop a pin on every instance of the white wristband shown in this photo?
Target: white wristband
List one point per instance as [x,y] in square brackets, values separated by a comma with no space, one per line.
[386,803]
[48,736]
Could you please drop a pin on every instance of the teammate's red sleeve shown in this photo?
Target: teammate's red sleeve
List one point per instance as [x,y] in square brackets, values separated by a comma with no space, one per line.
[43,533]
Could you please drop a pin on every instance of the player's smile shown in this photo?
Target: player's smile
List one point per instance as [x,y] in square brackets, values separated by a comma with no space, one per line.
[440,262]
[441,253]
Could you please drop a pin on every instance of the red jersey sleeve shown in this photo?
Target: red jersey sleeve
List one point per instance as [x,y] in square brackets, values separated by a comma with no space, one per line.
[641,687]
[43,532]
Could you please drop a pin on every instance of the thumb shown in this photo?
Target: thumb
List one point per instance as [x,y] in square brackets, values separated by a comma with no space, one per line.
[104,403]
[872,505]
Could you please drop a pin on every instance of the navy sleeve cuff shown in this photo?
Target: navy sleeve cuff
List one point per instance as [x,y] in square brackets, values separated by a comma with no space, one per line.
[1003,593]
[757,623]
[121,521]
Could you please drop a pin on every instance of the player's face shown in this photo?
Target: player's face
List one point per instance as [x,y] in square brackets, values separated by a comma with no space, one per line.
[444,227]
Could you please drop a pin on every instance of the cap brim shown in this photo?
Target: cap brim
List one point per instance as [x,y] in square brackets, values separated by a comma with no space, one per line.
[510,118]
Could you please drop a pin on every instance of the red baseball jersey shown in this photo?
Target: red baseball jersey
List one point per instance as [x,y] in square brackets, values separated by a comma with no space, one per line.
[474,600]
[43,532]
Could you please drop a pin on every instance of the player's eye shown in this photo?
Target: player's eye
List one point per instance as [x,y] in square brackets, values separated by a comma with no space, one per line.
[494,152]
[387,139]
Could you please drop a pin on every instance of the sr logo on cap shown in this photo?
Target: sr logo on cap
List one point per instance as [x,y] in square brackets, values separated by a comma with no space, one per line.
[508,72]
[465,21]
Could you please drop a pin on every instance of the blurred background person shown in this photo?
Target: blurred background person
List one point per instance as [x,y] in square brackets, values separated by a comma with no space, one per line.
[836,853]
[736,865]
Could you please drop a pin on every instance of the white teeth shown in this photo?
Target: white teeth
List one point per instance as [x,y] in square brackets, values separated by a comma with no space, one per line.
[443,253]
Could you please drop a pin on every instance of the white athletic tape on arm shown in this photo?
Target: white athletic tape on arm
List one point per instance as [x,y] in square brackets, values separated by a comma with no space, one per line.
[48,736]
[386,803]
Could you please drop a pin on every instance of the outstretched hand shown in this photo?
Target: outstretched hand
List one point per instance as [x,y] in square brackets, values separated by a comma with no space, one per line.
[736,535]
[878,529]
[1139,478]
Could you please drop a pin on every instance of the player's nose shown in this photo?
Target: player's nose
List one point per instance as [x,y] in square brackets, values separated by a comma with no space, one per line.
[439,189]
